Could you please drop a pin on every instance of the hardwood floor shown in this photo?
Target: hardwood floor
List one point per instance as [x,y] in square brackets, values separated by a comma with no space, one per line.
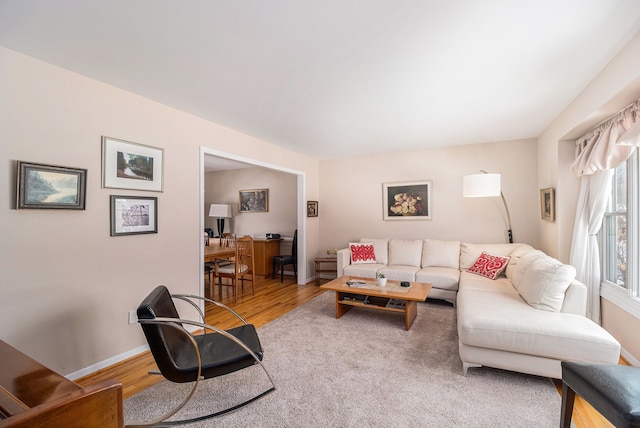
[272,300]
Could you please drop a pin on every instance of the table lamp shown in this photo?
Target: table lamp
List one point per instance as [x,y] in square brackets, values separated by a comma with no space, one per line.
[220,212]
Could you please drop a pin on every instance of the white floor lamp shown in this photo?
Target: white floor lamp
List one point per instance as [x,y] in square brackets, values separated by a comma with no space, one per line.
[486,185]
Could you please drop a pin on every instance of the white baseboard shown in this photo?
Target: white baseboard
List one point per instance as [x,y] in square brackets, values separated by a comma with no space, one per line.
[108,362]
[630,358]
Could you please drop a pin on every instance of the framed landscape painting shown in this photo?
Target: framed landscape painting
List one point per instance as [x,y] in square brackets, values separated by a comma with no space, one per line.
[43,186]
[409,200]
[131,215]
[127,165]
[254,201]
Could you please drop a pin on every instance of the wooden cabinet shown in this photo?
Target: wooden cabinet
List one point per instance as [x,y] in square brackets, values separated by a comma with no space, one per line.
[263,252]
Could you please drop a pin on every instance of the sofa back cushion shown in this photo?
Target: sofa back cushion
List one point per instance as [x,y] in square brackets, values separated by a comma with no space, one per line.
[380,248]
[405,252]
[542,280]
[516,255]
[469,253]
[440,253]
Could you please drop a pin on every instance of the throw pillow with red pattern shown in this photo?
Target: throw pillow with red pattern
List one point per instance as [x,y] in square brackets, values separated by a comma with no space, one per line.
[489,266]
[362,252]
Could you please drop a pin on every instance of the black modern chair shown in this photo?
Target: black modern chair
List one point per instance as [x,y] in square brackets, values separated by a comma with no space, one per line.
[289,259]
[611,389]
[182,357]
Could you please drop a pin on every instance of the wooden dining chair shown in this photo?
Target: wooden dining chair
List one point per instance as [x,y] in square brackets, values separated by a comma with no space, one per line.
[240,269]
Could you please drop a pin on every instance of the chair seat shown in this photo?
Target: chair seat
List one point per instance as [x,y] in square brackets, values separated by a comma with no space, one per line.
[287,260]
[230,268]
[220,355]
[613,390]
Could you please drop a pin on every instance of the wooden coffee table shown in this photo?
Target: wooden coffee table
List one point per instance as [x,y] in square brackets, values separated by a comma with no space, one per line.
[392,297]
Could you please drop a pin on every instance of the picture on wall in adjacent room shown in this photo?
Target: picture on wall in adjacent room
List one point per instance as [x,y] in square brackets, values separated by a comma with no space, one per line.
[127,165]
[312,208]
[131,215]
[43,186]
[254,201]
[548,204]
[410,200]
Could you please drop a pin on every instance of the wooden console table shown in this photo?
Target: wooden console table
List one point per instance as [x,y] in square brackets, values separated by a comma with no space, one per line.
[263,252]
[31,395]
[329,260]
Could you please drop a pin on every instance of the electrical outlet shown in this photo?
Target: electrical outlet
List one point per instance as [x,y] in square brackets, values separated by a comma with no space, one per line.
[133,318]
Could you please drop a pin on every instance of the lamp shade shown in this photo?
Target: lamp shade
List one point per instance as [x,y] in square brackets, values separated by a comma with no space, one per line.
[220,211]
[631,137]
[480,185]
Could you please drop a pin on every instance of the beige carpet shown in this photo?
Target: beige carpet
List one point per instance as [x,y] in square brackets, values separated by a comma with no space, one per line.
[364,370]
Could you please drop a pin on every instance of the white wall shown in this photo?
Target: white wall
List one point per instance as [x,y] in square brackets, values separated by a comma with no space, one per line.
[66,286]
[222,187]
[351,194]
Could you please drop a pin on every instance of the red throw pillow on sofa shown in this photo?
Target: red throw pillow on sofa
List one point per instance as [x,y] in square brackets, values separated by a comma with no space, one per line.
[489,266]
[362,253]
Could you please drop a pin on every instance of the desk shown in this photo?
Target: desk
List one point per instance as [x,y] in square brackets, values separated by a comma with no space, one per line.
[329,260]
[263,251]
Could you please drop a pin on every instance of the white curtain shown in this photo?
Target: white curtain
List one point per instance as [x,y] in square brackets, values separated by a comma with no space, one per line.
[598,154]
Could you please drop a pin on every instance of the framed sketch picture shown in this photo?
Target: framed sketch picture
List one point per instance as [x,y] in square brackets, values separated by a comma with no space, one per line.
[312,208]
[127,165]
[43,186]
[131,215]
[409,200]
[548,204]
[254,201]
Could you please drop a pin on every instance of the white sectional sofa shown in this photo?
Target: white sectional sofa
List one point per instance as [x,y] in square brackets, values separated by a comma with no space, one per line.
[528,319]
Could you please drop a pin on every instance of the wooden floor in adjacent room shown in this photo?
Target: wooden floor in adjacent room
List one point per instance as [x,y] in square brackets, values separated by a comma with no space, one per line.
[272,300]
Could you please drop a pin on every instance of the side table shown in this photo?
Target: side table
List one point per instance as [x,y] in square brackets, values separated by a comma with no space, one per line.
[333,261]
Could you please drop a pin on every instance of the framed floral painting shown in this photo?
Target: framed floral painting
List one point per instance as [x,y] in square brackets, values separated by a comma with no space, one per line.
[409,200]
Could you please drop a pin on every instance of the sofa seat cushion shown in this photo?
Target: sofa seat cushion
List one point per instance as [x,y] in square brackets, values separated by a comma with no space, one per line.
[498,285]
[439,277]
[505,322]
[368,270]
[400,272]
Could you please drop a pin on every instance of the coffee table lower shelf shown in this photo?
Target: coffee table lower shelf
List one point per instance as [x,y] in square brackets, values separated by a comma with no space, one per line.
[346,301]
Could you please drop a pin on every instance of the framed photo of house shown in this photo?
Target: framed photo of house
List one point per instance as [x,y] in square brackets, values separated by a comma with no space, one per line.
[43,186]
[254,201]
[132,215]
[548,204]
[127,165]
[409,200]
[312,208]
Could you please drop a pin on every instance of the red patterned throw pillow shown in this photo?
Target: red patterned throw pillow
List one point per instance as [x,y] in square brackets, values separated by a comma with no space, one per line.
[489,266]
[362,252]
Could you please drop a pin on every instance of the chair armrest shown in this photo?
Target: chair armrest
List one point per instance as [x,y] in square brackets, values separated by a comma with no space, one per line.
[188,298]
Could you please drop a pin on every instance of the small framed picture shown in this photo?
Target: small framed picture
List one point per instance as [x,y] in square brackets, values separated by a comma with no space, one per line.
[254,201]
[312,208]
[43,186]
[131,215]
[409,200]
[127,165]
[548,204]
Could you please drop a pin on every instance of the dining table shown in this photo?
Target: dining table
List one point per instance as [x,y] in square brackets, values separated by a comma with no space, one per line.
[215,251]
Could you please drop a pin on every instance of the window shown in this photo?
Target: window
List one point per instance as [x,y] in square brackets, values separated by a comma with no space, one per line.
[620,238]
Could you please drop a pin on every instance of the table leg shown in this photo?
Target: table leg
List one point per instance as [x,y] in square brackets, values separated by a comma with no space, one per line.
[410,311]
[340,308]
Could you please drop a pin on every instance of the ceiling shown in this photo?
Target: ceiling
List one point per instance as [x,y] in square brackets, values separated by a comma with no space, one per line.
[336,78]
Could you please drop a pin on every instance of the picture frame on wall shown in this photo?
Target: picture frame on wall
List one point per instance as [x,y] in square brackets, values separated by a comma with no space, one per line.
[312,208]
[548,204]
[254,201]
[408,200]
[127,165]
[42,186]
[133,215]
